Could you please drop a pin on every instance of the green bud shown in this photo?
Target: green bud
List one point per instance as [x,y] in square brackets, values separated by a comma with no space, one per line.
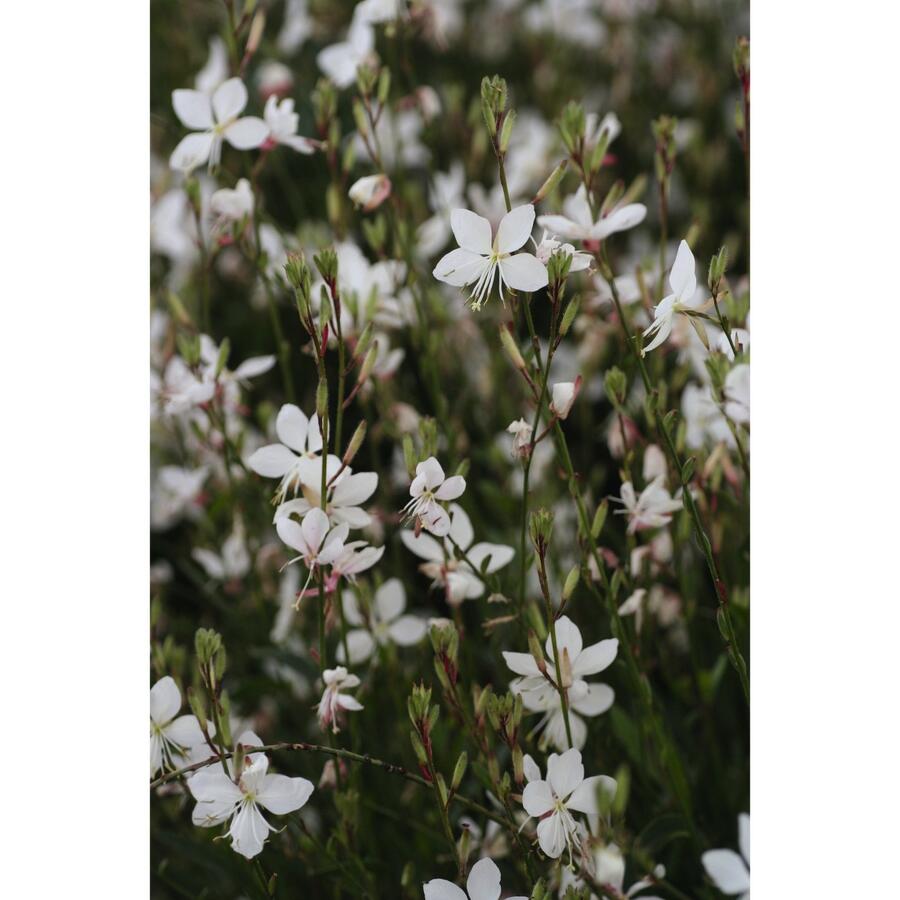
[322,400]
[552,181]
[571,127]
[540,528]
[198,707]
[571,582]
[409,455]
[616,385]
[623,787]
[368,364]
[717,266]
[418,748]
[569,315]
[509,121]
[535,649]
[518,762]
[355,443]
[598,153]
[687,470]
[442,789]
[511,349]
[359,118]
[178,311]
[327,264]
[384,85]
[222,358]
[615,194]
[189,348]
[459,771]
[599,519]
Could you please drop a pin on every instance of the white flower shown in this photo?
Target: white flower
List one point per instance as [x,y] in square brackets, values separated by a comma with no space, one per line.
[232,563]
[737,394]
[379,11]
[181,388]
[483,883]
[703,417]
[652,509]
[578,224]
[481,257]
[333,701]
[344,497]
[459,580]
[521,432]
[214,120]
[608,863]
[683,282]
[563,396]
[539,691]
[654,463]
[565,791]
[370,191]
[385,623]
[173,741]
[549,245]
[297,435]
[220,799]
[355,557]
[340,61]
[729,872]
[232,204]
[282,122]
[298,26]
[446,194]
[175,493]
[428,488]
[316,545]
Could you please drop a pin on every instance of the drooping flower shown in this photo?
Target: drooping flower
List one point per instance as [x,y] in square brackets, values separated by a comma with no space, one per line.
[652,509]
[283,122]
[577,662]
[334,701]
[428,489]
[384,624]
[370,191]
[459,580]
[482,258]
[729,872]
[220,799]
[483,883]
[213,121]
[174,739]
[578,224]
[344,498]
[298,435]
[566,791]
[683,282]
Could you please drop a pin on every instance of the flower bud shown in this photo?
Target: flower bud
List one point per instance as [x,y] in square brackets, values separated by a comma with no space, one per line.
[222,358]
[535,649]
[327,264]
[571,582]
[540,527]
[569,315]
[563,396]
[511,348]
[509,121]
[552,181]
[459,771]
[599,519]
[322,400]
[616,386]
[178,311]
[370,192]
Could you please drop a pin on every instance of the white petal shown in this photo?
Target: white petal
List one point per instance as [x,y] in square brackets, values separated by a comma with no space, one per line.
[515,228]
[165,700]
[229,99]
[683,277]
[292,427]
[586,796]
[562,227]
[193,108]
[424,546]
[211,563]
[622,219]
[461,526]
[430,469]
[185,731]
[292,534]
[595,658]
[192,151]
[408,630]
[282,795]
[568,637]
[498,555]
[213,786]
[578,209]
[472,232]
[247,133]
[521,663]
[744,836]
[271,461]
[460,267]
[248,831]
[452,488]
[437,522]
[483,882]
[599,698]
[390,600]
[537,798]
[441,889]
[360,646]
[552,836]
[256,365]
[347,702]
[355,489]
[315,526]
[565,772]
[727,871]
[524,272]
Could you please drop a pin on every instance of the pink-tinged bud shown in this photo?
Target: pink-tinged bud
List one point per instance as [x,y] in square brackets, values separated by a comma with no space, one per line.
[370,192]
[564,395]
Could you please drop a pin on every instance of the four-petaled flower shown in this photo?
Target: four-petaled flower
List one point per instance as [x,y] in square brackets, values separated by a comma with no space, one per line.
[483,883]
[174,739]
[214,120]
[652,509]
[482,258]
[220,799]
[314,542]
[566,791]
[578,223]
[428,488]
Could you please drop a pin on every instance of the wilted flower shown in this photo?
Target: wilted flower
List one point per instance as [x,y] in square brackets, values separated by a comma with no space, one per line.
[481,258]
[521,432]
[232,204]
[333,700]
[220,799]
[215,120]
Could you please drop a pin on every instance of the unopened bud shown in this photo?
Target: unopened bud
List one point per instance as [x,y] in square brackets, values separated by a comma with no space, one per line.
[257,27]
[509,122]
[459,771]
[535,649]
[355,443]
[511,349]
[222,358]
[569,315]
[599,519]
[571,582]
[322,400]
[552,181]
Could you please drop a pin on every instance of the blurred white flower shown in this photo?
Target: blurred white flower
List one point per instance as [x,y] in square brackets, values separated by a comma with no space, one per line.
[234,560]
[174,493]
[174,739]
[737,394]
[214,120]
[483,883]
[297,26]
[334,701]
[232,204]
[729,872]
[566,791]
[652,509]
[340,61]
[220,799]
[521,432]
[370,191]
[683,282]
[481,257]
[428,489]
[577,222]
[384,624]
[283,122]
[216,69]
